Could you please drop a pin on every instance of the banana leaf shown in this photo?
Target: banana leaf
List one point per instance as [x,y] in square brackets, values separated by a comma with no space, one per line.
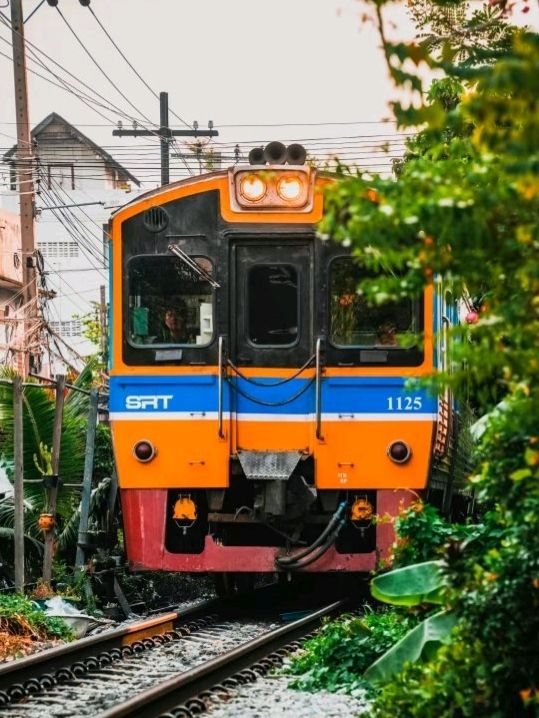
[411,585]
[421,643]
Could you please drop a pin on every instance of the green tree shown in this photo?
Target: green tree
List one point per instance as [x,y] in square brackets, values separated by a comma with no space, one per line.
[38,420]
[465,208]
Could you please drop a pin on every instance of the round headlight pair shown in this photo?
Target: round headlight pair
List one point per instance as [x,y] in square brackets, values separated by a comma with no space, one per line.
[254,188]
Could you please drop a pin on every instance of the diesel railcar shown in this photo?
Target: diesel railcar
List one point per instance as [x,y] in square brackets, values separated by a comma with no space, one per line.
[268,428]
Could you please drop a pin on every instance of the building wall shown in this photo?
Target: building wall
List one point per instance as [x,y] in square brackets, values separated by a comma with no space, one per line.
[71,240]
[10,286]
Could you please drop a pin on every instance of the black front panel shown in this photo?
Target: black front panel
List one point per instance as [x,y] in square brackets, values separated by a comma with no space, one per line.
[171,314]
[356,332]
[271,317]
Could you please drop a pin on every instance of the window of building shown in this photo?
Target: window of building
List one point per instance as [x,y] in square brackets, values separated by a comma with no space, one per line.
[169,303]
[60,175]
[273,305]
[59,249]
[356,323]
[70,328]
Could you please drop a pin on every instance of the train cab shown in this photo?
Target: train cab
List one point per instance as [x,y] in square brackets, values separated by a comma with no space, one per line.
[265,417]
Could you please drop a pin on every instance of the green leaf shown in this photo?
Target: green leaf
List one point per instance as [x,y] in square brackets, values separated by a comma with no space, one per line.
[520,474]
[411,585]
[421,642]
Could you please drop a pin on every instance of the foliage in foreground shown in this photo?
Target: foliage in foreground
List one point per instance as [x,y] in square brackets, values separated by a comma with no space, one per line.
[21,616]
[337,656]
[465,212]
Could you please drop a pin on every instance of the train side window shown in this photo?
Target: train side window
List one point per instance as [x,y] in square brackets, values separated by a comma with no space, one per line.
[169,304]
[272,305]
[355,323]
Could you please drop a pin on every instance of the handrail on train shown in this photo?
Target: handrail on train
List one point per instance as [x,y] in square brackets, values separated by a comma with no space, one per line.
[318,392]
[220,389]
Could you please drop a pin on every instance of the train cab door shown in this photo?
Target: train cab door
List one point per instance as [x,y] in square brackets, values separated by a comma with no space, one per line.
[271,337]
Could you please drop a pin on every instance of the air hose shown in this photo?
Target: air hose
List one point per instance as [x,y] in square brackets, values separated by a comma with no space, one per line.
[330,532]
[311,558]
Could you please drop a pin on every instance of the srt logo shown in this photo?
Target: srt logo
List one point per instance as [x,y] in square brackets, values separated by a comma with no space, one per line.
[147,402]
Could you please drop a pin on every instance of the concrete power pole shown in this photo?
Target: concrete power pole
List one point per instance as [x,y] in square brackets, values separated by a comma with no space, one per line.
[25,179]
[165,134]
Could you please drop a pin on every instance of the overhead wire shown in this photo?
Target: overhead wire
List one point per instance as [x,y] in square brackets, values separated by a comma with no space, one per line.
[149,87]
[75,91]
[75,232]
[101,70]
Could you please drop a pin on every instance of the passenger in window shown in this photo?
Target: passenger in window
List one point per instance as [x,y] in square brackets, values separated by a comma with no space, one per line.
[174,329]
[386,334]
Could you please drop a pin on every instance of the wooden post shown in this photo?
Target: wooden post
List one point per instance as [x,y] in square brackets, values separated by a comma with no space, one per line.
[87,479]
[25,170]
[18,483]
[55,461]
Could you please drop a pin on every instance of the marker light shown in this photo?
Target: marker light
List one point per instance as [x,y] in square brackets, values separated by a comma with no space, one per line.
[289,188]
[399,452]
[252,188]
[362,510]
[144,451]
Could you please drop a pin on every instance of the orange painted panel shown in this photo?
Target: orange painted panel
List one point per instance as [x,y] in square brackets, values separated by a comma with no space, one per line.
[273,435]
[354,455]
[189,454]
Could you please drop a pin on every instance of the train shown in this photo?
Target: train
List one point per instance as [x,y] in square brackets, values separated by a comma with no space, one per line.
[264,416]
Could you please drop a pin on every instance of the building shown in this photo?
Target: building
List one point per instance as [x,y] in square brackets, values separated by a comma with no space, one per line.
[77,183]
[11,330]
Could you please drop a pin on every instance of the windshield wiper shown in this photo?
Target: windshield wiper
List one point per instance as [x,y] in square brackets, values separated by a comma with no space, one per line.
[194,265]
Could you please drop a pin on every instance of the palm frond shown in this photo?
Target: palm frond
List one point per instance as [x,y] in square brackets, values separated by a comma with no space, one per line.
[8,533]
[98,509]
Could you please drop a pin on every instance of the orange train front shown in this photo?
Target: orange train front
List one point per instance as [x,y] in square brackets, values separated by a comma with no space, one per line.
[267,427]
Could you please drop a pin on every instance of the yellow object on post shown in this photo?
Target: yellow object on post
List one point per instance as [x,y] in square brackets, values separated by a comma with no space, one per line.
[185,509]
[361,510]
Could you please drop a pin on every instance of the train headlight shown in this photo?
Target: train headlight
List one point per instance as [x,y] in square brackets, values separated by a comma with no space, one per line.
[144,451]
[272,189]
[289,188]
[399,452]
[252,188]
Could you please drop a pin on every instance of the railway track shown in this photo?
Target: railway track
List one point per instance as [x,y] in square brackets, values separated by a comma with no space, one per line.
[155,666]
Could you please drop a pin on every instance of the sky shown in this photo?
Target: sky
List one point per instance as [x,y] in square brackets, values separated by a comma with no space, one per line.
[242,64]
[293,70]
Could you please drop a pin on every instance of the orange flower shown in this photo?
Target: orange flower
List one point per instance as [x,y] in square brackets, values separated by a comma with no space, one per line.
[373,196]
[346,300]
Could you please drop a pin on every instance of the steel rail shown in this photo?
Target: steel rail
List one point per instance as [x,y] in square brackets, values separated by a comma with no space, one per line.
[189,684]
[54,659]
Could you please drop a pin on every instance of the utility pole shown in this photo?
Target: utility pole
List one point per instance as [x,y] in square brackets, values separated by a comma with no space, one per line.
[165,134]
[25,179]
[18,482]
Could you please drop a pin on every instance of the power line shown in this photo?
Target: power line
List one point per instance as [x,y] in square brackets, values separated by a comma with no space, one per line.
[75,91]
[131,66]
[101,70]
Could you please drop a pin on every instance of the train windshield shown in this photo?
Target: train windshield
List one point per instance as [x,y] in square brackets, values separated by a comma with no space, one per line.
[273,305]
[169,303]
[356,323]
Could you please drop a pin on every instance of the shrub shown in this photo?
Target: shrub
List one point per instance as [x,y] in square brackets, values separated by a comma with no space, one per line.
[336,657]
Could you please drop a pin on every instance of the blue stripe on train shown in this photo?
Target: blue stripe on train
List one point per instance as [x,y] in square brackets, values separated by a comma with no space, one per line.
[198,393]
